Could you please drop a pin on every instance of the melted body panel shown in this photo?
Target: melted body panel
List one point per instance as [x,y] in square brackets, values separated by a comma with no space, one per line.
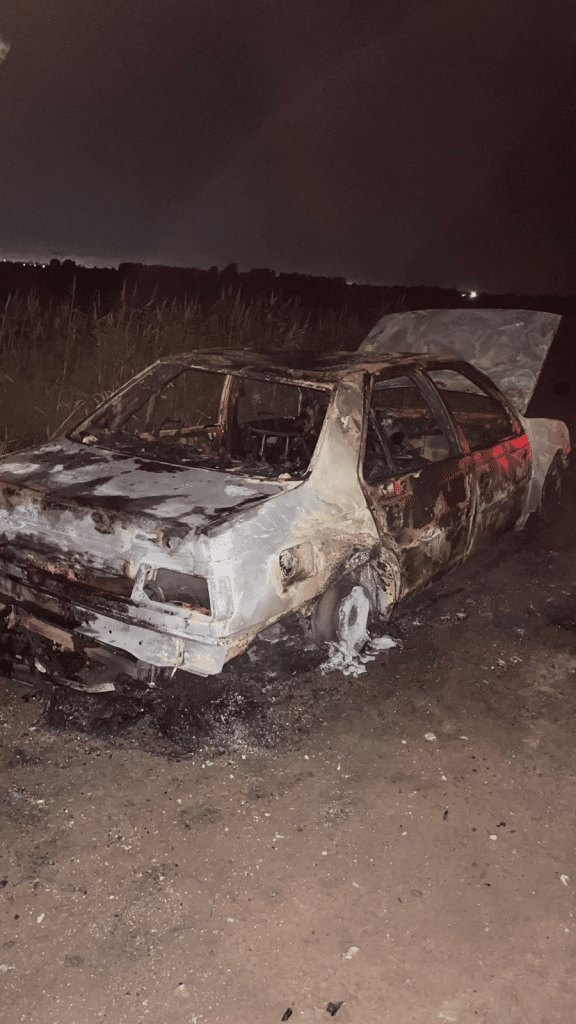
[427,517]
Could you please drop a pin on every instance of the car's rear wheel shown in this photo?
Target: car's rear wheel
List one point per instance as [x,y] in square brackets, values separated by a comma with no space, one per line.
[341,615]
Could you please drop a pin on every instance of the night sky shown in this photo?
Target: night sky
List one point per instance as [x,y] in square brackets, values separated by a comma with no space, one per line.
[391,142]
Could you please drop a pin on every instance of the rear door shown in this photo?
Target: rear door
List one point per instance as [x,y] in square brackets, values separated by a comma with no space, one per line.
[417,484]
[496,447]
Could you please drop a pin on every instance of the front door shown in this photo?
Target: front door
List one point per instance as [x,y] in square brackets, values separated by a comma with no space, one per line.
[415,479]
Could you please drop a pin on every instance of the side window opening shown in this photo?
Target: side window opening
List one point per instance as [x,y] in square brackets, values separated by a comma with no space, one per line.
[481,420]
[404,433]
[279,424]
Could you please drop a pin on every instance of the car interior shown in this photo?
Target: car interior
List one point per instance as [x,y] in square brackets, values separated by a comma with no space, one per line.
[404,433]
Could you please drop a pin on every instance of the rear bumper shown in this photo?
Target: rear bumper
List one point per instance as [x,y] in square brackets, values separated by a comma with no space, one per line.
[158,649]
[34,612]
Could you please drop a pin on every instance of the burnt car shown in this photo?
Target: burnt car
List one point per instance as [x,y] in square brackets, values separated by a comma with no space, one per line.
[220,490]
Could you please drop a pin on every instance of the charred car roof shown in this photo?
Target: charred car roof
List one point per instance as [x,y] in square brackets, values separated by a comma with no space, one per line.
[297,365]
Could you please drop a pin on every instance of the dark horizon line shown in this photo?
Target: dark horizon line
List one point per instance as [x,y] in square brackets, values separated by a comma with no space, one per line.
[232,270]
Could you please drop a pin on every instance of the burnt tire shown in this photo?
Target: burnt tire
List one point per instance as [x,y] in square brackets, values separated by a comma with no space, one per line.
[550,507]
[341,614]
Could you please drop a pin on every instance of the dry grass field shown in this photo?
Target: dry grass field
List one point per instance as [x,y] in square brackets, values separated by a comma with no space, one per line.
[61,359]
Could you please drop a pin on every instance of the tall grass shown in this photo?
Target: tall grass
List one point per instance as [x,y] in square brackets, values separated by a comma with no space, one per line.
[62,360]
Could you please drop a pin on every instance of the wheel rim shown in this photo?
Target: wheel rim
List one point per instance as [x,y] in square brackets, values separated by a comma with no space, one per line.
[353,612]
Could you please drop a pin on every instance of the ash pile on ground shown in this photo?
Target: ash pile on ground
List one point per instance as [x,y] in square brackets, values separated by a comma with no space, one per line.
[267,698]
[517,590]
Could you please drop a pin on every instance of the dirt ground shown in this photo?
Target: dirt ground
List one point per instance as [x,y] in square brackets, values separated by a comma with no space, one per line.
[393,847]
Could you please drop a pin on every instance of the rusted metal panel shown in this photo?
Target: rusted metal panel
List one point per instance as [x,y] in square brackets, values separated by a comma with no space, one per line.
[426,517]
[62,638]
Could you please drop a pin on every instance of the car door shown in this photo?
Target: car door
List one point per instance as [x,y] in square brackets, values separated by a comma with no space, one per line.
[415,480]
[496,447]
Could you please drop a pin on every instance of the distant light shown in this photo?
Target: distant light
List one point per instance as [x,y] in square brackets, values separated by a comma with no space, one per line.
[472,295]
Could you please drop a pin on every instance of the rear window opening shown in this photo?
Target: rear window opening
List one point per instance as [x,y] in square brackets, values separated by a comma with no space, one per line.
[229,423]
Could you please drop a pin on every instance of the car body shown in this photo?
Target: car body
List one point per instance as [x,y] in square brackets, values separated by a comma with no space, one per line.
[218,491]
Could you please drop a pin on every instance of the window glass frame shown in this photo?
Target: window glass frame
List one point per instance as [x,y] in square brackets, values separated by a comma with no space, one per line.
[430,398]
[485,385]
